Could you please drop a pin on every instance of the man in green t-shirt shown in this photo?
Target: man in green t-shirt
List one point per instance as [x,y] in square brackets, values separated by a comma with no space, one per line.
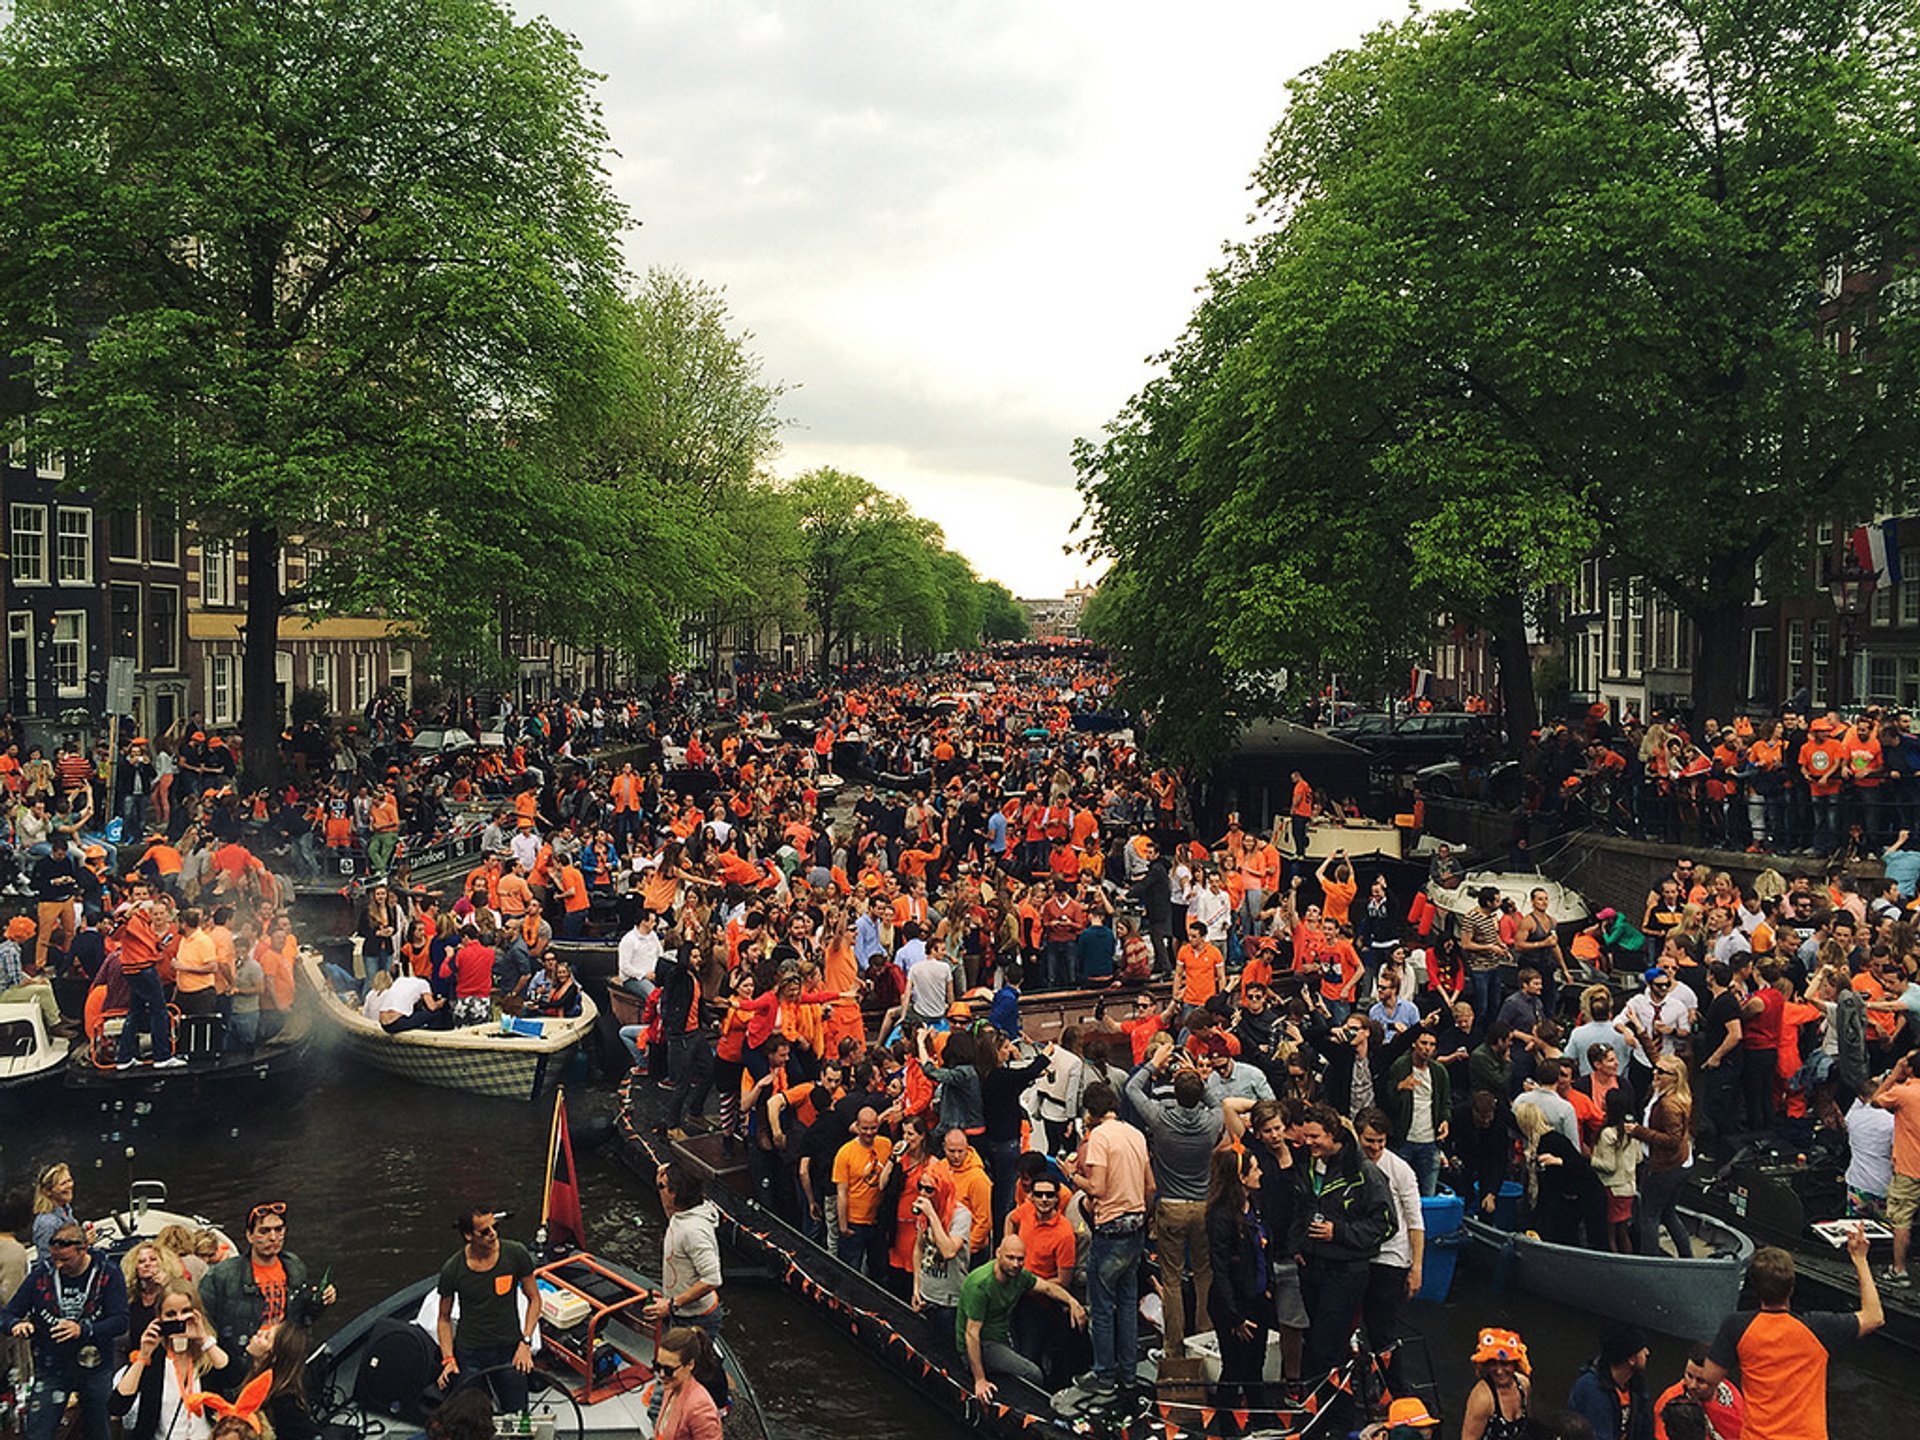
[982,1324]
[493,1332]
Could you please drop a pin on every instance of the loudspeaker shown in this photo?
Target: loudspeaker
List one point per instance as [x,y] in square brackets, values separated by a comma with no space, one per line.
[397,1370]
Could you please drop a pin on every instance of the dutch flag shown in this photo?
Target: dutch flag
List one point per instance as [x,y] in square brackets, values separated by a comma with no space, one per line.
[1877,547]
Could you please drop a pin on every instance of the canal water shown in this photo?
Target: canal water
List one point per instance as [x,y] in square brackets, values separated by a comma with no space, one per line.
[373,1169]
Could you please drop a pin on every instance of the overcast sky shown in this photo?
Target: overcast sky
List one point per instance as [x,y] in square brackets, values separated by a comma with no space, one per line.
[958,230]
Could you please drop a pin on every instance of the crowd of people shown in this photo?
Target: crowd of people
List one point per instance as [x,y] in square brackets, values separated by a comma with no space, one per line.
[1293,1057]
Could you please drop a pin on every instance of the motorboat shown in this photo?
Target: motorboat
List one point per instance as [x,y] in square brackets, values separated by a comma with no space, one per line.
[29,1052]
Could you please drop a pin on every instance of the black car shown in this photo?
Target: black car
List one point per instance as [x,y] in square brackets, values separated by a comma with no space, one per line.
[1419,740]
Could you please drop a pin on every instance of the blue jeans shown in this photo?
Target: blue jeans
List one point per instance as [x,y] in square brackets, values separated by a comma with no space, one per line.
[509,1386]
[1333,1293]
[49,1402]
[855,1242]
[146,1001]
[1113,1295]
[1483,990]
[1424,1157]
[1826,822]
[1003,1160]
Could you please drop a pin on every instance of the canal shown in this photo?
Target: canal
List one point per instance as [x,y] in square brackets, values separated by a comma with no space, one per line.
[372,1170]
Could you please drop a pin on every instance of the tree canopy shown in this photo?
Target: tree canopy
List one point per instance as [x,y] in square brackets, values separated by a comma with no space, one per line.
[1535,279]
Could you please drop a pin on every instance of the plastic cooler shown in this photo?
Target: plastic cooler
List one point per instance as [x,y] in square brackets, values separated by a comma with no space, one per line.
[1443,1214]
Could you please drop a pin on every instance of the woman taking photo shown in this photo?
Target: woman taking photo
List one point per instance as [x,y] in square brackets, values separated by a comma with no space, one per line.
[1240,1302]
[168,1364]
[687,1412]
[1667,1130]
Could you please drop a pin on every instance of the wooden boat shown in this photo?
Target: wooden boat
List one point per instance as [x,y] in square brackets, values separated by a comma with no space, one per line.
[593,1370]
[285,1053]
[919,1352]
[1688,1298]
[29,1054]
[519,1062]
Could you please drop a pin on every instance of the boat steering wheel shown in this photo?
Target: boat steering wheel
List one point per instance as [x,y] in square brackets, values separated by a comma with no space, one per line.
[538,1380]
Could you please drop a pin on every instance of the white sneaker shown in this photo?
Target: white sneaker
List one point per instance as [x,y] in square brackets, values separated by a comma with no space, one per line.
[127,1064]
[172,1062]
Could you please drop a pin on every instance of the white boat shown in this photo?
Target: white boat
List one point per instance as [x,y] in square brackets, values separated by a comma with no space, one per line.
[1565,905]
[507,1059]
[28,1053]
[147,1215]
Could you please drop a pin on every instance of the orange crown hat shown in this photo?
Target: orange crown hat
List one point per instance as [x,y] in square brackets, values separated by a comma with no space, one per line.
[21,927]
[1502,1345]
[1743,727]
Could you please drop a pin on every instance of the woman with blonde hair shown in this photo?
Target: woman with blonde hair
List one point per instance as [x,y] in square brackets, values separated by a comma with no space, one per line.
[147,1268]
[160,1393]
[52,1203]
[1667,1131]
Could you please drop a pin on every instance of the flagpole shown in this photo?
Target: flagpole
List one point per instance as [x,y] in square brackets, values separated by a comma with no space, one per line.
[553,1146]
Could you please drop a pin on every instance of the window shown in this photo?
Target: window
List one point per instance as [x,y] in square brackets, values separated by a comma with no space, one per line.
[164,535]
[362,679]
[76,545]
[1596,659]
[123,534]
[1796,644]
[1880,606]
[1882,678]
[28,524]
[1822,650]
[1909,588]
[163,627]
[1910,683]
[321,672]
[1617,628]
[20,657]
[70,654]
[1637,624]
[216,574]
[1587,594]
[123,628]
[220,688]
[400,674]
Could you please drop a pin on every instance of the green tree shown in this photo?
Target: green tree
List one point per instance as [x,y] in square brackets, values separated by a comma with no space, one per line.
[1001,617]
[317,271]
[1535,276]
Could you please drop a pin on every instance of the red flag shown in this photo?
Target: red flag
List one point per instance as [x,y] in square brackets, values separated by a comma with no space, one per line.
[566,1227]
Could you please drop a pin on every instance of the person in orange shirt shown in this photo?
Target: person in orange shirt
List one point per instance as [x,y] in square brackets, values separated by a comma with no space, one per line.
[1823,760]
[1300,813]
[144,938]
[383,830]
[1337,888]
[1866,770]
[1200,970]
[1340,972]
[570,889]
[1259,879]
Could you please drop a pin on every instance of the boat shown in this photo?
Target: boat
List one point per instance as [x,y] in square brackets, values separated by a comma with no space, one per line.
[511,1058]
[1565,905]
[923,1354]
[285,1053]
[593,1368]
[29,1053]
[1684,1297]
[1778,1197]
[146,1215]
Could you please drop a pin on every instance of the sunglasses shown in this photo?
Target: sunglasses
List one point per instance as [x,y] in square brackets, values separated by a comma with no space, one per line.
[1046,1194]
[662,1367]
[271,1207]
[65,1244]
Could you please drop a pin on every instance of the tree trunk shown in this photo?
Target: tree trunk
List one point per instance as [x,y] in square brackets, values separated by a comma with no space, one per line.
[1719,661]
[1519,707]
[260,717]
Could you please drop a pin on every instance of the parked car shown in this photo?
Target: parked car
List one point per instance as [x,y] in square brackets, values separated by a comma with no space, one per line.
[1417,740]
[1355,728]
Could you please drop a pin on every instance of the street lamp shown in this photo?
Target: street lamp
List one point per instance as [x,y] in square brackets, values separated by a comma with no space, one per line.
[1851,589]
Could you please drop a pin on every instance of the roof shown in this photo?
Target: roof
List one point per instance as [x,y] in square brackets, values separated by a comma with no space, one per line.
[1282,739]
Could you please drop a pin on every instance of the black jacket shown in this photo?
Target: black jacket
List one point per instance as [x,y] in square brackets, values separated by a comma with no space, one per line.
[1236,1294]
[1354,1195]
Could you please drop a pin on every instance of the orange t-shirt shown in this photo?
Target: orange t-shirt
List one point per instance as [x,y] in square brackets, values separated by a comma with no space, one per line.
[1302,804]
[1050,1246]
[1199,973]
[1336,899]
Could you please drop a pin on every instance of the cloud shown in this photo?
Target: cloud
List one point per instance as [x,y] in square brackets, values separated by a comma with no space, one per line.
[957,229]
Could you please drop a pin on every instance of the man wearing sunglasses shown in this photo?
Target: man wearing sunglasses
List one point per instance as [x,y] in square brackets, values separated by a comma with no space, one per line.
[496,1330]
[75,1311]
[249,1294]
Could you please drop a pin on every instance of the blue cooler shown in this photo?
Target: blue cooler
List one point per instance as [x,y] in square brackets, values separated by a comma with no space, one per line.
[1443,1214]
[1506,1209]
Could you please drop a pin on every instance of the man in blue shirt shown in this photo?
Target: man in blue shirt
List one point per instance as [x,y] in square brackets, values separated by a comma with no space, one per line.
[869,942]
[1394,1014]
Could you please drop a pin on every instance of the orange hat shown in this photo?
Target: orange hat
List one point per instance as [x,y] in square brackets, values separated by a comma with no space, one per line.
[1502,1345]
[21,927]
[1409,1410]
